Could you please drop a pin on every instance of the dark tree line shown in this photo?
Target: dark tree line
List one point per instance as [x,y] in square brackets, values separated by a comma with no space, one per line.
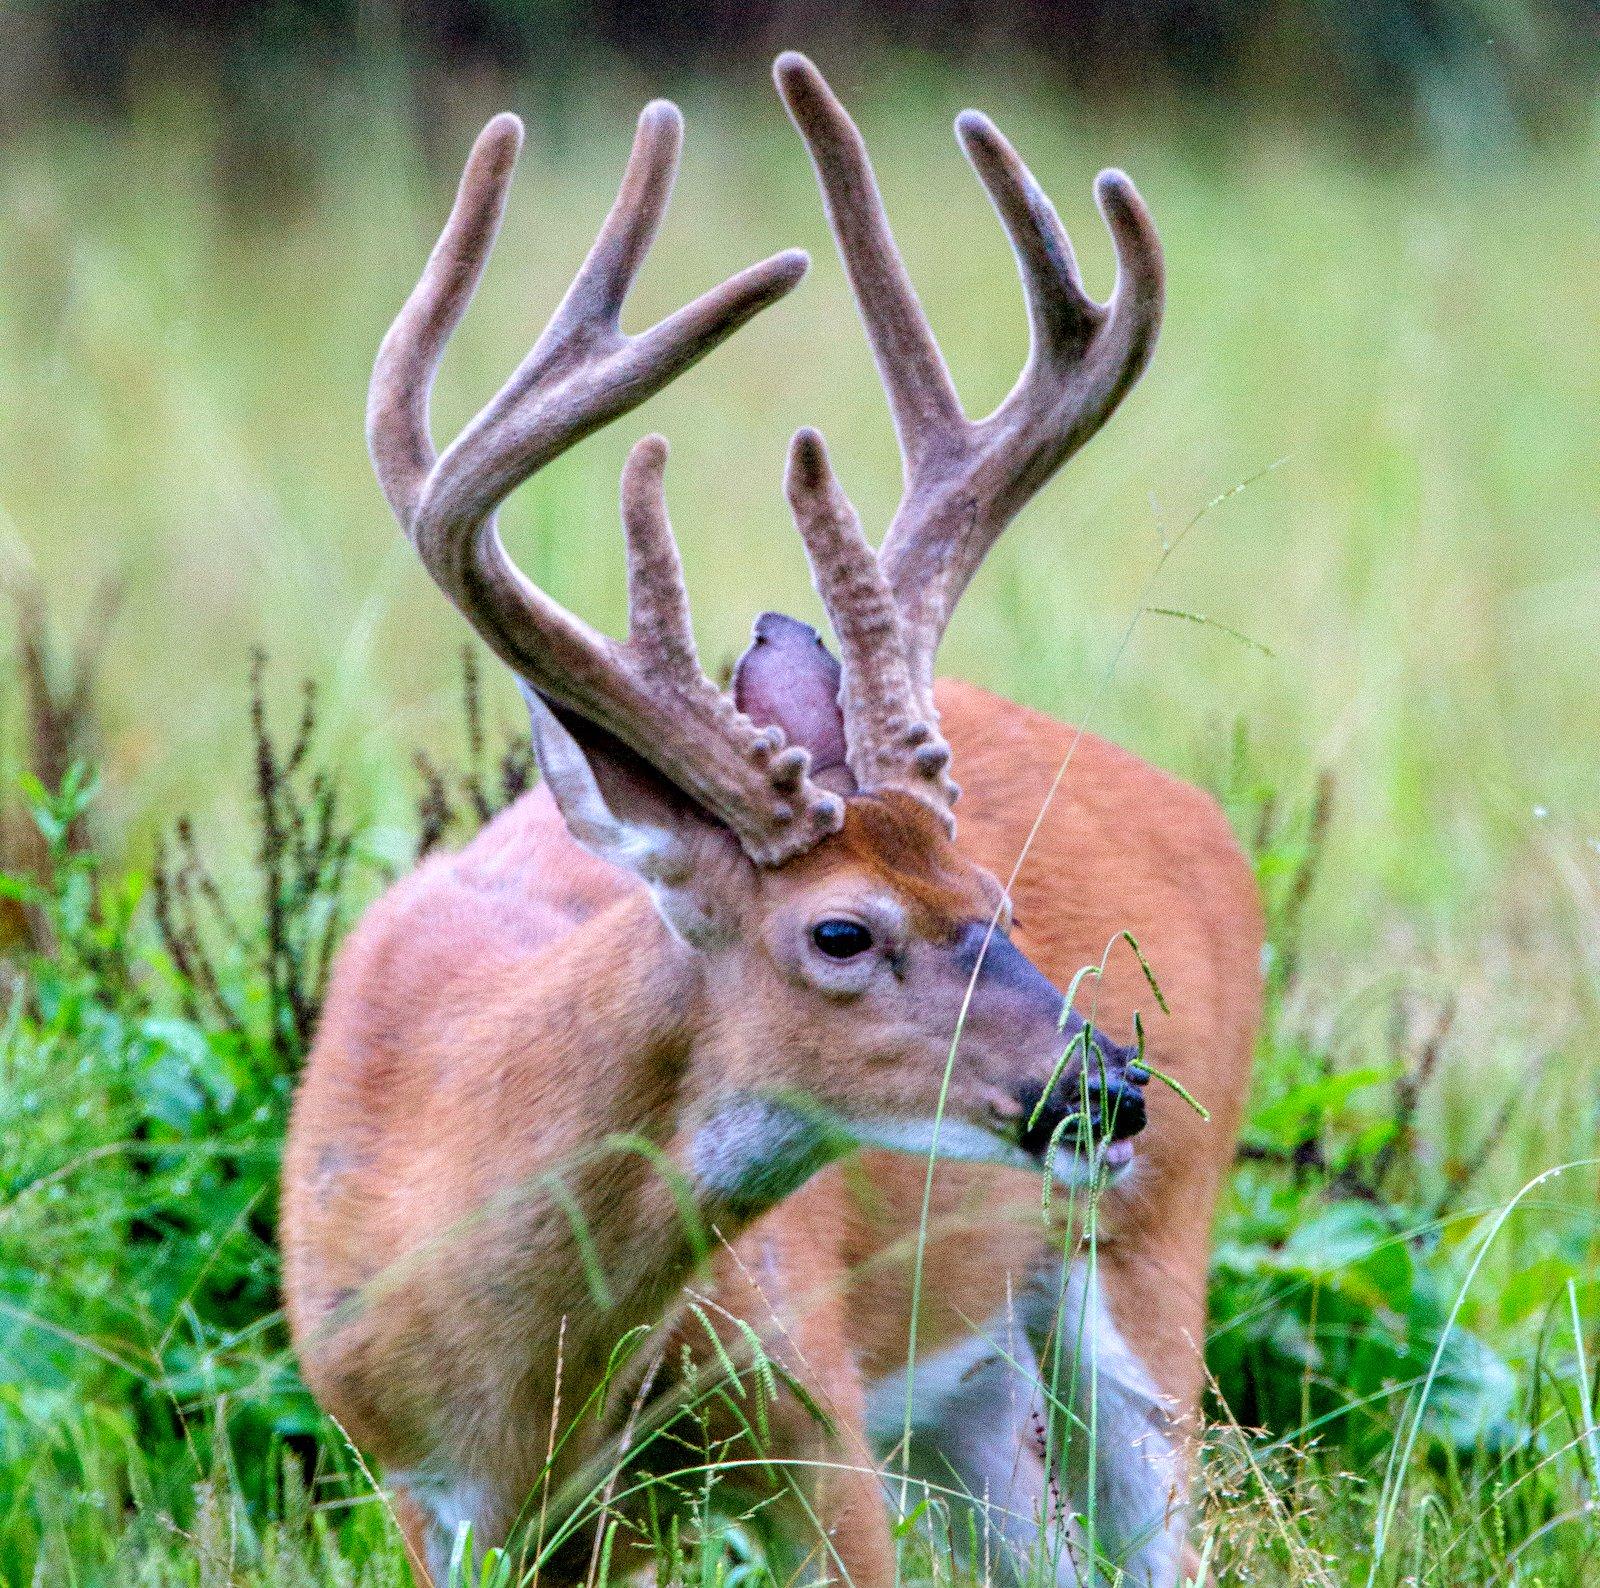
[1383,66]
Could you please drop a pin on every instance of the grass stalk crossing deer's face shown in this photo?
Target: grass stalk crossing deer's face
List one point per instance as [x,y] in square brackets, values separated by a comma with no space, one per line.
[851,975]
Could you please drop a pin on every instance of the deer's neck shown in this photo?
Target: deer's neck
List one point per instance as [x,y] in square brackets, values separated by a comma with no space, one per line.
[610,1159]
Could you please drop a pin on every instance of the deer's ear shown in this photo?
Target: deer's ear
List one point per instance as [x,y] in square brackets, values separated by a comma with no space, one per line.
[789,679]
[619,808]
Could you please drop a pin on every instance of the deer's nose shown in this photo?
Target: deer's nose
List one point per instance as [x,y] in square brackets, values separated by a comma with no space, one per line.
[1105,1105]
[1116,1105]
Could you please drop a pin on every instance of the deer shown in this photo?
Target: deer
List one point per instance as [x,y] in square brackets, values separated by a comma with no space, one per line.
[732,1025]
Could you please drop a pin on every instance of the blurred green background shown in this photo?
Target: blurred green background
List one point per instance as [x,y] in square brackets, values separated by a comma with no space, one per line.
[1380,265]
[1382,352]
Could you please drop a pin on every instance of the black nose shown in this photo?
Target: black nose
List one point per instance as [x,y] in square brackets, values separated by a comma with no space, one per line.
[1106,1104]
[1116,1108]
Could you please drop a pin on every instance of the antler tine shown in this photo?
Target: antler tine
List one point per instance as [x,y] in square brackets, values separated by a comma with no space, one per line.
[922,398]
[1060,312]
[613,261]
[583,371]
[1083,359]
[658,599]
[408,358]
[1063,318]
[966,480]
[1139,295]
[886,733]
[649,692]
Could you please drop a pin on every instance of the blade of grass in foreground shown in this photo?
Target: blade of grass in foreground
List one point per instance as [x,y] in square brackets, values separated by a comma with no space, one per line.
[1402,1452]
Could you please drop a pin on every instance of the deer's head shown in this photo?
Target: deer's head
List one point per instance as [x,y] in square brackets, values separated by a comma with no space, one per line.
[796,833]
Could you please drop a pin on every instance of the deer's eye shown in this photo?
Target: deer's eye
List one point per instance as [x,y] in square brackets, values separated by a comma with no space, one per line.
[840,938]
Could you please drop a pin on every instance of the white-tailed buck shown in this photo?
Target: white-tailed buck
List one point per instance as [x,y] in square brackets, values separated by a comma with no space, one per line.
[610,1065]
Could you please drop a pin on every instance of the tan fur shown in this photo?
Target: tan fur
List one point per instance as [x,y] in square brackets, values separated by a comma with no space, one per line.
[503,1011]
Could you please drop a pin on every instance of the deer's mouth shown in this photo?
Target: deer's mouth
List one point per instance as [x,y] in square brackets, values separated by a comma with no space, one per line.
[1118,1155]
[1082,1162]
[1085,1124]
[1072,1157]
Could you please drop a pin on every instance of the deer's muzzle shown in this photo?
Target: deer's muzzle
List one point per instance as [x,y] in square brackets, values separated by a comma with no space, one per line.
[1098,1101]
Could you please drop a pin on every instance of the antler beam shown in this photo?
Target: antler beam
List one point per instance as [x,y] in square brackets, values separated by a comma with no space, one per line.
[964,479]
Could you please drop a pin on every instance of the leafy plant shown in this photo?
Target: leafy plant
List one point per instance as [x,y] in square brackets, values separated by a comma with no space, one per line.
[1333,1280]
[457,803]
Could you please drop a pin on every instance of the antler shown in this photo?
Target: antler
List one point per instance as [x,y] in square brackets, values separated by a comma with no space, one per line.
[965,480]
[890,737]
[649,692]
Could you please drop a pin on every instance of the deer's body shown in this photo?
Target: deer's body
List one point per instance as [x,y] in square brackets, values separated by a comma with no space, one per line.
[506,992]
[628,1041]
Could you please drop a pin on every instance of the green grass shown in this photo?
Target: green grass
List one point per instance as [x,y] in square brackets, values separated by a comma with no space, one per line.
[182,363]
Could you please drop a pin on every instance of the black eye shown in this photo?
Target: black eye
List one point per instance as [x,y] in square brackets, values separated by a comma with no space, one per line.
[841,939]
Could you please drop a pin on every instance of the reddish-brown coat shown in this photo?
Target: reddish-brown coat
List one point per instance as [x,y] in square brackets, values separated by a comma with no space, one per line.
[432,1097]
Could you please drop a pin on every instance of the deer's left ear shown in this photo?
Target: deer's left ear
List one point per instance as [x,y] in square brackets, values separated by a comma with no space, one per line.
[788,678]
[619,808]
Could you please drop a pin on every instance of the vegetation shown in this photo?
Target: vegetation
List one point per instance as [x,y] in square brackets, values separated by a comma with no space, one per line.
[1384,381]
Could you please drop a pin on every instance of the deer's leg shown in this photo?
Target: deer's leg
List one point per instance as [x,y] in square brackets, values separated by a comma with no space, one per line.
[433,1506]
[976,1454]
[1119,1340]
[788,1280]
[413,1523]
[856,1547]
[840,1514]
[830,1506]
[1156,1298]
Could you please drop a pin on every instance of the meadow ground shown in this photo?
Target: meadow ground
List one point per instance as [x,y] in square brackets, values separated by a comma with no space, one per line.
[1387,381]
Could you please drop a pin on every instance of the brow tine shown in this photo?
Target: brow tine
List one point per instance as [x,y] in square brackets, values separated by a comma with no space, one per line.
[658,599]
[888,737]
